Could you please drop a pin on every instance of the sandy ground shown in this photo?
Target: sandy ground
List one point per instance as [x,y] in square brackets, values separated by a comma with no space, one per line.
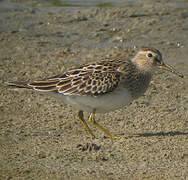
[39,136]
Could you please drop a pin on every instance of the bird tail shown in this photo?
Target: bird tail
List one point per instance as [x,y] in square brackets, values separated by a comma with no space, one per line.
[45,86]
[18,85]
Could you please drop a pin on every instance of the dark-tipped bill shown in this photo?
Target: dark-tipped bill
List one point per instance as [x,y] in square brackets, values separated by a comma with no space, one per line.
[171,69]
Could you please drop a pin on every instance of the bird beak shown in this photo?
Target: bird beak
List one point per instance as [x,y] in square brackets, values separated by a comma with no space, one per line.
[171,69]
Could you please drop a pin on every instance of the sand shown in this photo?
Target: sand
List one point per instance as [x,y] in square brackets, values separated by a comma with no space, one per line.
[41,138]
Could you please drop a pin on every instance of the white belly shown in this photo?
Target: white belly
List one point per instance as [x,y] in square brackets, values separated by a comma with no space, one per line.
[104,103]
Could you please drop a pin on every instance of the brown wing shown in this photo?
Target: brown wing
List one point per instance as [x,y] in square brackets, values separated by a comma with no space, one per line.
[93,79]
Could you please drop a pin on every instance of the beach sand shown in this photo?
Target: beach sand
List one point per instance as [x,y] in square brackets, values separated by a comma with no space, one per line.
[42,138]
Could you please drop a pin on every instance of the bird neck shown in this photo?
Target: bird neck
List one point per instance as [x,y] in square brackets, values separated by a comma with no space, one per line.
[142,65]
[137,81]
[142,81]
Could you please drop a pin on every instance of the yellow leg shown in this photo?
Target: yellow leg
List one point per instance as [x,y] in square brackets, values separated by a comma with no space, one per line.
[81,118]
[106,131]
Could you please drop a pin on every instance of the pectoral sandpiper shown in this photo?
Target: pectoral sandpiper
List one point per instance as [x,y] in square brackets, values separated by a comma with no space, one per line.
[102,86]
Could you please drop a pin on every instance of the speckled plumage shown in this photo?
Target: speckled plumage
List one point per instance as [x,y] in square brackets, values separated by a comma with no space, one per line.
[103,86]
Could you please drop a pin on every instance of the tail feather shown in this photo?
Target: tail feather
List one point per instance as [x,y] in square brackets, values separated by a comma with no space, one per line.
[36,85]
[19,85]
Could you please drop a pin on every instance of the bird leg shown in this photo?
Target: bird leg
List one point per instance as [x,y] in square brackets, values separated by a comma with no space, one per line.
[81,118]
[108,133]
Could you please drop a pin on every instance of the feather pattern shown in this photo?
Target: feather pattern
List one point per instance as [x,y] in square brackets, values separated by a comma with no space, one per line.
[93,79]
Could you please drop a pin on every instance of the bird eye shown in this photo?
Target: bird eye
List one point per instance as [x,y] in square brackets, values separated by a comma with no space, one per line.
[150,55]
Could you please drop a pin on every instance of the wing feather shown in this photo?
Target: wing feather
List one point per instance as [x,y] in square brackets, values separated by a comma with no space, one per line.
[93,79]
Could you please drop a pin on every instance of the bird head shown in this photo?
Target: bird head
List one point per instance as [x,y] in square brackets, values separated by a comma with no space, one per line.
[149,59]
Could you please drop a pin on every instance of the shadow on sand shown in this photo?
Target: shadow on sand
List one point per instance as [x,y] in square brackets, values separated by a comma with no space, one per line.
[171,133]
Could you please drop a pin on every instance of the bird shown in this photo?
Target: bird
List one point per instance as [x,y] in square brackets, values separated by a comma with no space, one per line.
[103,86]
